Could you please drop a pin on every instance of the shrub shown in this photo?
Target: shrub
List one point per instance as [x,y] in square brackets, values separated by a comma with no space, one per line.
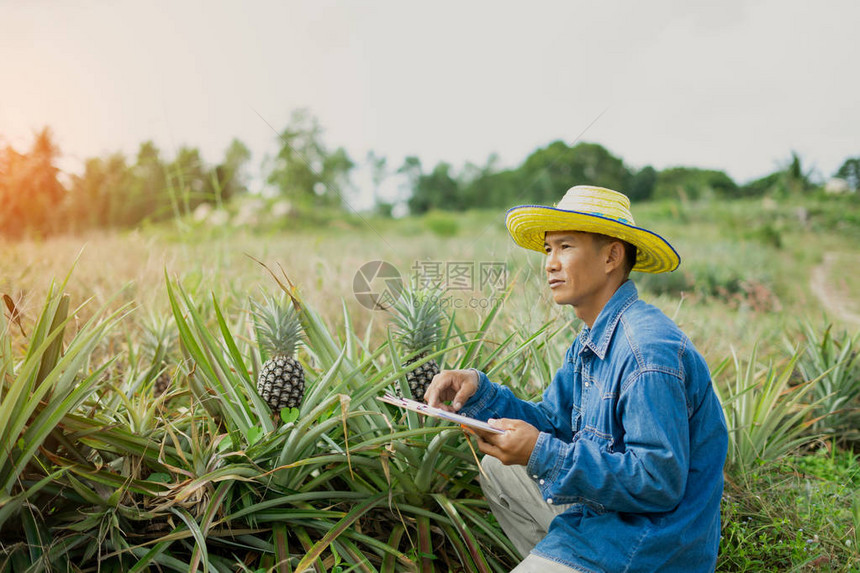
[834,360]
[442,224]
[766,418]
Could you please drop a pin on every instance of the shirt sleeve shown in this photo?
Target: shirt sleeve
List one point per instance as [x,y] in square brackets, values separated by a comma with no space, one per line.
[552,415]
[649,475]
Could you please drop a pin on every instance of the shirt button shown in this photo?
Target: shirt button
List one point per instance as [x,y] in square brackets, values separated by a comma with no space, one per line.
[586,384]
[535,476]
[549,500]
[541,482]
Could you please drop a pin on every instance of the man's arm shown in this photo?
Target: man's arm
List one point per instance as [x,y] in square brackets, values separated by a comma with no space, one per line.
[472,394]
[649,475]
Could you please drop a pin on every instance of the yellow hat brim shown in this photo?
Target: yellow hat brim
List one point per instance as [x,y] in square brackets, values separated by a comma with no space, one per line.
[528,225]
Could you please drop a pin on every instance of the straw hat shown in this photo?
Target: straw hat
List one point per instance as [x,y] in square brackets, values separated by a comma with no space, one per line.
[593,210]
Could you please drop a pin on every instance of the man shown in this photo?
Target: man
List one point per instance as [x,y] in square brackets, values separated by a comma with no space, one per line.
[619,466]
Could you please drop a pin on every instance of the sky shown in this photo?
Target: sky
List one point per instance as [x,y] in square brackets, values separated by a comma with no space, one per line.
[725,85]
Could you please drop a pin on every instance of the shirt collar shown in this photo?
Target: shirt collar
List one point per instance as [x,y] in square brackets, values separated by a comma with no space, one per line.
[598,336]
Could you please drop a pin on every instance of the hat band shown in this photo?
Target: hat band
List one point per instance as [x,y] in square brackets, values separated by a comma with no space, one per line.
[603,216]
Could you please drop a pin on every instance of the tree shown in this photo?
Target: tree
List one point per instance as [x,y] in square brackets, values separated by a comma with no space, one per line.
[412,169]
[693,183]
[763,185]
[642,184]
[378,172]
[796,179]
[98,197]
[790,179]
[228,178]
[147,195]
[188,181]
[850,172]
[557,167]
[30,191]
[113,194]
[488,187]
[305,170]
[540,178]
[334,178]
[436,190]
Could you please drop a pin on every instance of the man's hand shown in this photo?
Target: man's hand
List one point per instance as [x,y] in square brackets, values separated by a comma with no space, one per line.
[514,446]
[455,386]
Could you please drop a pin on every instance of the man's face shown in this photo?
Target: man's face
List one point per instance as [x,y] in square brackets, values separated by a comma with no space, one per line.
[576,271]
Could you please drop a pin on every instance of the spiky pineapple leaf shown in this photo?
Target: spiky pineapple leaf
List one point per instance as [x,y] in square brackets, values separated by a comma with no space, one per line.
[279,330]
[417,318]
[254,434]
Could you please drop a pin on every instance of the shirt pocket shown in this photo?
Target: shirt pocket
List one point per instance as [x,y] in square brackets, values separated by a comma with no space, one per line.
[599,405]
[603,439]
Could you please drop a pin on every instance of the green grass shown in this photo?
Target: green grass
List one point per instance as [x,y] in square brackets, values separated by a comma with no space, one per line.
[792,515]
[845,280]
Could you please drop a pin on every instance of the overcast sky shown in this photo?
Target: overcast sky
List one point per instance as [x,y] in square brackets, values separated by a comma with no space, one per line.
[728,85]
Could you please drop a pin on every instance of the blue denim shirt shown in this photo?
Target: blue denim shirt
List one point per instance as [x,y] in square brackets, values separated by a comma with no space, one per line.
[633,436]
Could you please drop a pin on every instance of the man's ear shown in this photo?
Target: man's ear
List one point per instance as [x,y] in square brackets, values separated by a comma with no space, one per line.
[614,255]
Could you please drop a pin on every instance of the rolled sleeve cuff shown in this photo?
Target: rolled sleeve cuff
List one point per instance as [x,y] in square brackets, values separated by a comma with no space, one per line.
[481,399]
[546,461]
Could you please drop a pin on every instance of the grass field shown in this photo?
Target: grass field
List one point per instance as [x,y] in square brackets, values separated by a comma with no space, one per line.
[750,284]
[734,286]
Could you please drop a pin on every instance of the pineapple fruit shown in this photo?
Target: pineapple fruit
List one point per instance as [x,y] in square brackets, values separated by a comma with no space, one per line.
[281,383]
[162,383]
[417,318]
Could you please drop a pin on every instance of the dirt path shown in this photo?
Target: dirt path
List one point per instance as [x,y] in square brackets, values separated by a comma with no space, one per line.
[836,302]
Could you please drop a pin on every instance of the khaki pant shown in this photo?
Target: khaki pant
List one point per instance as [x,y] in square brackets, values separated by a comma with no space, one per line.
[522,512]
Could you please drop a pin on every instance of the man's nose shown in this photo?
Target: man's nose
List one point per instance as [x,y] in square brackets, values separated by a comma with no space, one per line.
[551,262]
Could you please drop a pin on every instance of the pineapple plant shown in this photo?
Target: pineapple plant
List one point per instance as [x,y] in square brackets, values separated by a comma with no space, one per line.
[159,341]
[281,383]
[417,318]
